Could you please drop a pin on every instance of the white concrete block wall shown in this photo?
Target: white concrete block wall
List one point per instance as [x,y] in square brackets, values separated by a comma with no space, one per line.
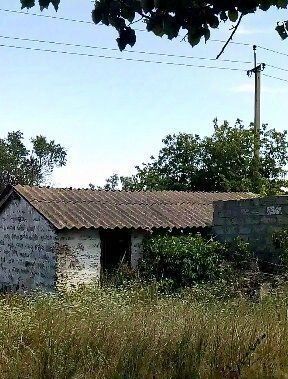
[27,259]
[78,258]
[136,248]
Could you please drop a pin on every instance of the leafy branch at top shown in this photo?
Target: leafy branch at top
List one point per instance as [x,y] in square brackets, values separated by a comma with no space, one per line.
[168,17]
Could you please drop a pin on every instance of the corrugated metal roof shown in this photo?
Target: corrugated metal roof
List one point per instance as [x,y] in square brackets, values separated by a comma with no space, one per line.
[85,208]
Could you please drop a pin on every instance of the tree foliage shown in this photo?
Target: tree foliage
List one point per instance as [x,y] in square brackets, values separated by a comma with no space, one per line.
[223,161]
[44,4]
[20,165]
[168,17]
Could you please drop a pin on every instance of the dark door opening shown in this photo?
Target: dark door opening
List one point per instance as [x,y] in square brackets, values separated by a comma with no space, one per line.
[115,250]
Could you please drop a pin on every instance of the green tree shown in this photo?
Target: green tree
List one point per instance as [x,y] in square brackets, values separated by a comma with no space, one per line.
[20,165]
[168,17]
[223,161]
[112,183]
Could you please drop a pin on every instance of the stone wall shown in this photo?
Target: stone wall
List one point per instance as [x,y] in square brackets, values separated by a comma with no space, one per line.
[254,220]
[78,258]
[27,260]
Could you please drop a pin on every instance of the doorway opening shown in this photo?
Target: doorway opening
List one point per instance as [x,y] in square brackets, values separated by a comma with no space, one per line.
[115,250]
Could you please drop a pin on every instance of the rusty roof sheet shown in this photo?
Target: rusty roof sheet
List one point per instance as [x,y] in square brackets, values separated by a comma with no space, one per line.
[147,210]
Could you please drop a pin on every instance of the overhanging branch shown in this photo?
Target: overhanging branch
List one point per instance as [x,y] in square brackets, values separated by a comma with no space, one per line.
[231,37]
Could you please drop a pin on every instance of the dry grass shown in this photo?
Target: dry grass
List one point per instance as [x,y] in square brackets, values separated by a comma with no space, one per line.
[133,334]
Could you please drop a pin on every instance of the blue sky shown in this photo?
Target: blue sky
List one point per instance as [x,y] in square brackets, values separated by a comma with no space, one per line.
[112,115]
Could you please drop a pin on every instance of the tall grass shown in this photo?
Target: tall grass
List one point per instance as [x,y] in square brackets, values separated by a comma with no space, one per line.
[136,333]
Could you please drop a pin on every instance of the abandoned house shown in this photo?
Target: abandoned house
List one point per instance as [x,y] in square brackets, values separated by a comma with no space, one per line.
[65,237]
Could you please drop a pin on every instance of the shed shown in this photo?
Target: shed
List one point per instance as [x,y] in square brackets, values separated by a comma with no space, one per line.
[53,237]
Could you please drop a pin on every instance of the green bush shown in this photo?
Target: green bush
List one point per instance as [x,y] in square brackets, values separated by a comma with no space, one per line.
[179,261]
[238,254]
[185,260]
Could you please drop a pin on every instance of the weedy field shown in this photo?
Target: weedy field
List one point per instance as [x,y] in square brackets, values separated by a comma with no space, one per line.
[137,333]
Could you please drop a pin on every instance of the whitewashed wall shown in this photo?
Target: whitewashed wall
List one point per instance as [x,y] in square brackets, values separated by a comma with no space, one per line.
[27,260]
[136,248]
[34,256]
[78,258]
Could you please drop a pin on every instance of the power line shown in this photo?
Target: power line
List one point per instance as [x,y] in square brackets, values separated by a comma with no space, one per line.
[117,50]
[273,51]
[274,77]
[247,44]
[92,23]
[231,42]
[250,45]
[121,58]
[277,68]
[56,17]
[46,16]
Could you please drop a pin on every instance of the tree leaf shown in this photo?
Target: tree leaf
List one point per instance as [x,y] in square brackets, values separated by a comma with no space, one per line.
[97,16]
[282,3]
[233,15]
[213,21]
[170,27]
[281,31]
[223,16]
[44,4]
[206,34]
[147,5]
[127,36]
[128,14]
[27,3]
[194,38]
[56,4]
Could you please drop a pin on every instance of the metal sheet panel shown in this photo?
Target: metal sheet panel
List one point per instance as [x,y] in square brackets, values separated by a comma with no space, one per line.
[147,210]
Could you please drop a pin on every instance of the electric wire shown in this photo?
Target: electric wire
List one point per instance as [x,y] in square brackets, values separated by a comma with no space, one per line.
[121,58]
[277,67]
[132,51]
[134,59]
[117,50]
[140,30]
[274,77]
[46,16]
[273,51]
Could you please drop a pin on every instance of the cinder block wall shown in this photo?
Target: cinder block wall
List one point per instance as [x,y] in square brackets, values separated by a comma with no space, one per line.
[254,220]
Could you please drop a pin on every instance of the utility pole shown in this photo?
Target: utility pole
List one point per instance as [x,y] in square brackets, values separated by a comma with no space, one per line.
[257,112]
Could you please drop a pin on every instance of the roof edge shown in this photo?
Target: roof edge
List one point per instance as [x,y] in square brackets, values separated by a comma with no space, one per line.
[5,195]
[133,191]
[9,190]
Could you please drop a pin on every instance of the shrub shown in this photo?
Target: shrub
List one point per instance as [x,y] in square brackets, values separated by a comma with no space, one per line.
[179,261]
[184,260]
[239,254]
